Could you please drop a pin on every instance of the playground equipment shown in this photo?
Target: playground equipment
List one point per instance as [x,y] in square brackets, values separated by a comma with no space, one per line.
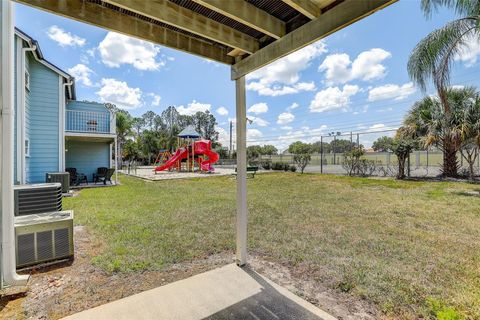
[162,157]
[191,151]
[199,152]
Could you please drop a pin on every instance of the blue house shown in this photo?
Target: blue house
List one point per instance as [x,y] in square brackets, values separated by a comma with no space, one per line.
[53,130]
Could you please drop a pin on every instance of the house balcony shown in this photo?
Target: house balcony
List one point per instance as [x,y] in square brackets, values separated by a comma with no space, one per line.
[90,124]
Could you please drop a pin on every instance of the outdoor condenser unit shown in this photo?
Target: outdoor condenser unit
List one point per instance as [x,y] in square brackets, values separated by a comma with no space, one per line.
[37,198]
[43,237]
[61,177]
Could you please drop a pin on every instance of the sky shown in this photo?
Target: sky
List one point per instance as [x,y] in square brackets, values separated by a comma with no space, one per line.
[352,81]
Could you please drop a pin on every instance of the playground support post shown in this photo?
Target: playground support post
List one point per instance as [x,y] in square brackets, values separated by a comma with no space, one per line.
[242,214]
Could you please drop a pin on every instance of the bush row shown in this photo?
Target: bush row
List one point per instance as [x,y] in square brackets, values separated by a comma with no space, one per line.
[267,165]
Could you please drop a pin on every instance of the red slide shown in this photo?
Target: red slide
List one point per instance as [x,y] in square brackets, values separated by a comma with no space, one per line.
[180,154]
[201,148]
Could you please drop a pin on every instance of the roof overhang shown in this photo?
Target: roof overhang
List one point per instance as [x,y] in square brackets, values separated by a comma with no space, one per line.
[246,34]
[38,55]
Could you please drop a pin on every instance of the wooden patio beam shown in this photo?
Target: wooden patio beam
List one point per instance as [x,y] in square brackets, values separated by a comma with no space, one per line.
[305,7]
[331,21]
[247,14]
[185,19]
[99,16]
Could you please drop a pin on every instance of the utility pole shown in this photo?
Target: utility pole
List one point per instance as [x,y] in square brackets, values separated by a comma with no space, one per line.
[351,140]
[230,149]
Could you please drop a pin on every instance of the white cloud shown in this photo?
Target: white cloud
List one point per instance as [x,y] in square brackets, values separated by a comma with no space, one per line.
[82,74]
[64,38]
[377,126]
[333,98]
[194,107]
[293,106]
[258,108]
[367,66]
[283,76]
[120,94]
[117,49]
[286,128]
[254,134]
[156,99]
[258,121]
[391,91]
[223,136]
[469,53]
[285,117]
[222,111]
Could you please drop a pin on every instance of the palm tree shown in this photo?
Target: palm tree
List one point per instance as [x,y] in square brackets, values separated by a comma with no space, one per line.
[470,150]
[432,58]
[427,121]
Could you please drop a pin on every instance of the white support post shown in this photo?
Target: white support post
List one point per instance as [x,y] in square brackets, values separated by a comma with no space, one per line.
[242,213]
[8,261]
[116,160]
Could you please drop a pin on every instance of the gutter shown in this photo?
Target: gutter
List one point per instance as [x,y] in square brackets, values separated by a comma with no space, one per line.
[21,114]
[9,271]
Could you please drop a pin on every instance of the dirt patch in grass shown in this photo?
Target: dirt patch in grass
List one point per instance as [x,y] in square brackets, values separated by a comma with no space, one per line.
[60,290]
[57,291]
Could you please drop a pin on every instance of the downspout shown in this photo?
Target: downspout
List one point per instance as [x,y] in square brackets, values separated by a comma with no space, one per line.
[63,117]
[9,272]
[21,111]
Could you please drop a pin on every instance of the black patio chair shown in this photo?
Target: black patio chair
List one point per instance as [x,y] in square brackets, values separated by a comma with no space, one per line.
[101,172]
[104,178]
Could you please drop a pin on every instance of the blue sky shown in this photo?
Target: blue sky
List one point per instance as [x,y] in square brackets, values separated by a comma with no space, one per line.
[354,80]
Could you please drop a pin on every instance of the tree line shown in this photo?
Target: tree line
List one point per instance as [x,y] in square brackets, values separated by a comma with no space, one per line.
[141,138]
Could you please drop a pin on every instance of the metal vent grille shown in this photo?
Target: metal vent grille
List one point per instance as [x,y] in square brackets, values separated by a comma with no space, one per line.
[26,249]
[44,245]
[62,245]
[33,199]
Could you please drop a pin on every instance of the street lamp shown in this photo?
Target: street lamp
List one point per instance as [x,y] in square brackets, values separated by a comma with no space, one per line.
[334,134]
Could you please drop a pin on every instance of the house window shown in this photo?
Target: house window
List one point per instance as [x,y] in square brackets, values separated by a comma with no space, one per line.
[27,148]
[27,80]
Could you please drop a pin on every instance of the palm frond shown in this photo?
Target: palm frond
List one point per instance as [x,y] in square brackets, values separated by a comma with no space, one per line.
[461,7]
[433,55]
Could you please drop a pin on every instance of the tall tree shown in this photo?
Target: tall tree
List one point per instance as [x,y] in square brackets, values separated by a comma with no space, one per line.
[124,128]
[383,144]
[148,119]
[433,56]
[427,120]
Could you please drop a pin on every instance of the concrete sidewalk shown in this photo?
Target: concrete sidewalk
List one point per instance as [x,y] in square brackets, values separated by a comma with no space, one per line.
[229,292]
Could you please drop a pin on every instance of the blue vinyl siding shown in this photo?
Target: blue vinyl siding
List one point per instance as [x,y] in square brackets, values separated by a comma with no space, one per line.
[77,121]
[87,156]
[42,121]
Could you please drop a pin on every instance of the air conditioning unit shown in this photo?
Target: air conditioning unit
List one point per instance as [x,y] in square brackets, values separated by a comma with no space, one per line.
[44,237]
[61,177]
[37,198]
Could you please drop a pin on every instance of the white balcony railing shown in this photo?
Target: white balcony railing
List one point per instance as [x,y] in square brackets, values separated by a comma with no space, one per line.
[90,122]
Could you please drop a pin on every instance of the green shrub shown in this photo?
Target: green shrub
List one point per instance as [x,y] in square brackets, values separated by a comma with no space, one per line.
[293,168]
[267,165]
[278,165]
[286,167]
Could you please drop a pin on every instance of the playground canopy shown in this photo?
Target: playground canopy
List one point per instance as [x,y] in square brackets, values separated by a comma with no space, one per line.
[245,34]
[189,133]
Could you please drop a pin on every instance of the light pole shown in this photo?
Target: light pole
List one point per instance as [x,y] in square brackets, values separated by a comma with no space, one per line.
[334,134]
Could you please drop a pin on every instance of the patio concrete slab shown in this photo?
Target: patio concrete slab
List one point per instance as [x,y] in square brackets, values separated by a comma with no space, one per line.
[229,292]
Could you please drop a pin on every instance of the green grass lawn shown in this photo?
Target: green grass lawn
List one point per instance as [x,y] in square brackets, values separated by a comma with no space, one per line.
[412,248]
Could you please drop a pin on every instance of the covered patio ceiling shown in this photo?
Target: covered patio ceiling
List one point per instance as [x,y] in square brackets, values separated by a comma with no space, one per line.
[246,34]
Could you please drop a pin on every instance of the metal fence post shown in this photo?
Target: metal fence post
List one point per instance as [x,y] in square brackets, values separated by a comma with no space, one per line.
[321,154]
